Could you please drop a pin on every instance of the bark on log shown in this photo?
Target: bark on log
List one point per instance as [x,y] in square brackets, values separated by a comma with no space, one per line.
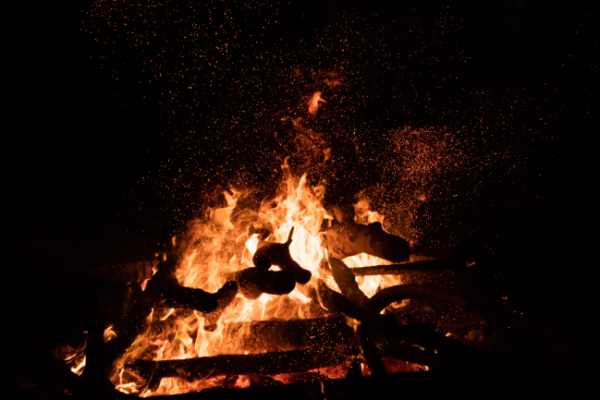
[225,296]
[279,254]
[253,282]
[349,238]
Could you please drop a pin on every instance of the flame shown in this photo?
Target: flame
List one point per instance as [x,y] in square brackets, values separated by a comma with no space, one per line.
[314,102]
[222,242]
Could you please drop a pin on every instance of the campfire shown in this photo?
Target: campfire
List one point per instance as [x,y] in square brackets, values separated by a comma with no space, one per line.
[280,293]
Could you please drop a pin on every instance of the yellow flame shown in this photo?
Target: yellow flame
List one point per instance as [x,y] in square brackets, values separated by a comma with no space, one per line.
[221,242]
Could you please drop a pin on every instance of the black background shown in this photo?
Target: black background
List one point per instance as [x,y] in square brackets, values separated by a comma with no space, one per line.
[76,141]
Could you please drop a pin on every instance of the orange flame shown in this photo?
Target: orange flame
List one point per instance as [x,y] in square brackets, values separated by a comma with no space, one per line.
[222,242]
[314,102]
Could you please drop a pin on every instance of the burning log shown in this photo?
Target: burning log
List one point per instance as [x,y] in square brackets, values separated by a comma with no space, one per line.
[131,272]
[349,238]
[279,254]
[134,321]
[369,351]
[466,301]
[253,282]
[225,296]
[184,297]
[346,281]
[279,362]
[283,335]
[397,269]
[333,301]
[267,364]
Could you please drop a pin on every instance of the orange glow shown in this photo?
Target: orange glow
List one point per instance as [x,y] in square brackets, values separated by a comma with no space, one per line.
[314,102]
[221,243]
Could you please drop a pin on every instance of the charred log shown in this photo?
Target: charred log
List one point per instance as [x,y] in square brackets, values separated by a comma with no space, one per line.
[267,364]
[134,321]
[466,301]
[183,297]
[349,238]
[283,335]
[369,351]
[423,266]
[225,296]
[279,254]
[253,282]
[346,281]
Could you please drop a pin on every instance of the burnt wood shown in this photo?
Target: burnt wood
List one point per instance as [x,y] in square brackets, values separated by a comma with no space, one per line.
[225,296]
[279,254]
[253,282]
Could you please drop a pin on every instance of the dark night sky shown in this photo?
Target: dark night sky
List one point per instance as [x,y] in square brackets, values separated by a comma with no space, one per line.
[79,141]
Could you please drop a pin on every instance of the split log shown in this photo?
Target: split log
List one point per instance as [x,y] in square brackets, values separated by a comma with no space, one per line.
[253,282]
[349,238]
[279,254]
[184,297]
[225,296]
[397,269]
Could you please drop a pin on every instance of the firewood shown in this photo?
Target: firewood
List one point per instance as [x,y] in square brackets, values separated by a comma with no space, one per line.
[349,238]
[225,296]
[278,335]
[183,297]
[346,281]
[130,272]
[134,321]
[466,301]
[279,362]
[279,254]
[253,282]
[267,364]
[423,266]
[333,301]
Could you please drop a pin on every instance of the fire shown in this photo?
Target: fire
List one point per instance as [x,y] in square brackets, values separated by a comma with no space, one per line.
[222,242]
[314,103]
